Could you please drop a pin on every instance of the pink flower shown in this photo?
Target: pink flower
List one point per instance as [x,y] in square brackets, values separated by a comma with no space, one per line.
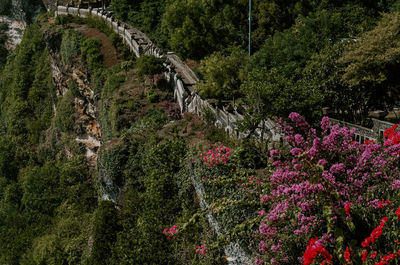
[217,156]
[258,261]
[325,124]
[201,249]
[273,152]
[171,232]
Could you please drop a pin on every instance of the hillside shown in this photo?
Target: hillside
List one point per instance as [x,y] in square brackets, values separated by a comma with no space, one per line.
[115,151]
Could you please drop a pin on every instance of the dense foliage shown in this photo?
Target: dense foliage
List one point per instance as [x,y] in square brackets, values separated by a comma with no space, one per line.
[305,54]
[169,188]
[46,198]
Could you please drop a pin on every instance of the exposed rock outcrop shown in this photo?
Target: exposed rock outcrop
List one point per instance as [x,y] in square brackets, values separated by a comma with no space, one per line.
[15,31]
[86,127]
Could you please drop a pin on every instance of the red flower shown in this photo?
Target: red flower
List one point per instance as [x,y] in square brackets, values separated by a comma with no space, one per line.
[347,254]
[369,142]
[375,234]
[347,208]
[392,136]
[383,203]
[313,250]
[373,255]
[390,132]
[364,255]
[398,213]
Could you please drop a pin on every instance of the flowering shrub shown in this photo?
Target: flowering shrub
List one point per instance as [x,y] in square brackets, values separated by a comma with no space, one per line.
[332,188]
[315,248]
[201,249]
[392,137]
[171,232]
[172,109]
[219,155]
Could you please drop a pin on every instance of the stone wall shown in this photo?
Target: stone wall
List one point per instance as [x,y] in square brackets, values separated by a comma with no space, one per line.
[179,74]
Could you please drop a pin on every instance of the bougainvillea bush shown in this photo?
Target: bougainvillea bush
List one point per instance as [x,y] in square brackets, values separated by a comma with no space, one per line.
[331,200]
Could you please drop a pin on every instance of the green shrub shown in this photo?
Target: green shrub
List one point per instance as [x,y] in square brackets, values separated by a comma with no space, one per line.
[150,66]
[63,20]
[100,25]
[105,232]
[113,82]
[41,190]
[249,155]
[116,40]
[164,85]
[70,45]
[8,165]
[113,160]
[152,96]
[73,87]
[215,135]
[64,118]
[90,53]
[208,116]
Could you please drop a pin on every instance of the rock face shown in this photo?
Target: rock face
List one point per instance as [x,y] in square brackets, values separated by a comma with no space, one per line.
[15,31]
[22,12]
[16,24]
[86,128]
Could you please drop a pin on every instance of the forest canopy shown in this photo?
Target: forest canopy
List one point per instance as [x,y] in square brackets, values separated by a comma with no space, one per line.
[289,38]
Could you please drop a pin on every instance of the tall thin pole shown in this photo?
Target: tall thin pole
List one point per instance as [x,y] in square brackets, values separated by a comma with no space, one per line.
[250,19]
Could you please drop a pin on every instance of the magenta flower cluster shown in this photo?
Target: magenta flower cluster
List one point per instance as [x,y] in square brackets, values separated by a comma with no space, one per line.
[321,175]
[171,232]
[201,249]
[217,156]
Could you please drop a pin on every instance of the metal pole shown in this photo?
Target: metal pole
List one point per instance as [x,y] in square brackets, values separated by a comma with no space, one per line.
[250,19]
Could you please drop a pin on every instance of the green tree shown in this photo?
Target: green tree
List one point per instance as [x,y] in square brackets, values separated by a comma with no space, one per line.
[90,54]
[105,231]
[65,112]
[269,93]
[8,165]
[222,75]
[198,28]
[371,64]
[122,7]
[70,45]
[41,190]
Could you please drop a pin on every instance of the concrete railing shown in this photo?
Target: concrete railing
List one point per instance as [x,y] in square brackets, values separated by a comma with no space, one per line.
[179,74]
